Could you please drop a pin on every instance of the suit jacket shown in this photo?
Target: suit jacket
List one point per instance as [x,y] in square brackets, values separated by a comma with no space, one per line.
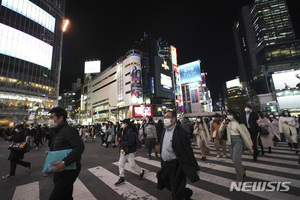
[184,153]
[254,128]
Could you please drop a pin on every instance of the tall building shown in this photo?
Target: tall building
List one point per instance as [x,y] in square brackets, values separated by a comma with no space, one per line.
[265,44]
[30,54]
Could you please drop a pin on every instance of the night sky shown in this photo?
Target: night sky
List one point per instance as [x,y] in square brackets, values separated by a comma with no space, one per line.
[202,29]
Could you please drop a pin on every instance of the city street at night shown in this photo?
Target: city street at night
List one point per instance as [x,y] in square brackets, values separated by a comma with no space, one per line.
[100,172]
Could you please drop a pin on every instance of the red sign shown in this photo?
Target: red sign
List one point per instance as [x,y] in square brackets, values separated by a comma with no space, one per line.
[142,111]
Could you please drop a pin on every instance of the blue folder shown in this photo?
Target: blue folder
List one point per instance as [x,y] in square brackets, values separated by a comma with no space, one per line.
[56,156]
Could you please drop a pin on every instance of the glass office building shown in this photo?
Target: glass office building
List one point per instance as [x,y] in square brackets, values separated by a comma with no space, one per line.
[30,53]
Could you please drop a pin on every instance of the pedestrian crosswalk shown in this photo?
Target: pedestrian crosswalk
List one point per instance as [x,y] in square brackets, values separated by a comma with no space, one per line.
[216,177]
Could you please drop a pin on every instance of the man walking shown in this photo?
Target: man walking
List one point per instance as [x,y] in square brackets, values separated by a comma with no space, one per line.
[250,120]
[64,137]
[126,140]
[177,160]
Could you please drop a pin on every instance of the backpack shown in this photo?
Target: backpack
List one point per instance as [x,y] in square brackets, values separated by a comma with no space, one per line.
[137,141]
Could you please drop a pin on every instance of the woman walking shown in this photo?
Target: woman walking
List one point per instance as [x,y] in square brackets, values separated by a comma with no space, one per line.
[202,136]
[216,135]
[237,137]
[266,136]
[16,156]
[151,139]
[273,127]
[287,126]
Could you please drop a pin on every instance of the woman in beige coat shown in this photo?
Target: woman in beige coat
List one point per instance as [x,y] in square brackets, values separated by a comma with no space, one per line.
[202,135]
[238,136]
[266,140]
[287,126]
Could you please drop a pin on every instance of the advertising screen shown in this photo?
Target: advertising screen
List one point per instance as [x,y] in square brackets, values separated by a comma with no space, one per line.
[286,80]
[288,99]
[23,46]
[142,111]
[233,83]
[92,67]
[194,92]
[136,79]
[166,81]
[31,11]
[203,79]
[190,72]
[174,55]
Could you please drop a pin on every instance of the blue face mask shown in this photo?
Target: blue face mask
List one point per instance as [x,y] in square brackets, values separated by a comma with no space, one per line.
[286,114]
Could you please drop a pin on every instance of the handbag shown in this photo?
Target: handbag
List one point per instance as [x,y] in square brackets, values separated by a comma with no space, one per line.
[264,131]
[214,135]
[56,156]
[196,131]
[224,134]
[20,146]
[157,148]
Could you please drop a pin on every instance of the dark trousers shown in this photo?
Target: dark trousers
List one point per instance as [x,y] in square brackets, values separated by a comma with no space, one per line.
[174,179]
[254,141]
[63,188]
[13,165]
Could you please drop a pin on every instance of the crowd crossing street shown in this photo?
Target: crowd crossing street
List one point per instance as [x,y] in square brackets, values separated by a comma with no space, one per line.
[279,171]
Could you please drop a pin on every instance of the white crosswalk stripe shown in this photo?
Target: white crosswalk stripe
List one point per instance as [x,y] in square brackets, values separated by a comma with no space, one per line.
[218,173]
[128,191]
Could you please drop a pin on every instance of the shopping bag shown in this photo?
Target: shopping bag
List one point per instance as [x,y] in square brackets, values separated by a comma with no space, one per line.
[157,148]
[18,146]
[56,156]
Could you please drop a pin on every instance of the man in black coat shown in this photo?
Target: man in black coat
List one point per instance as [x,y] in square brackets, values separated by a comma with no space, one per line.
[250,120]
[177,160]
[64,137]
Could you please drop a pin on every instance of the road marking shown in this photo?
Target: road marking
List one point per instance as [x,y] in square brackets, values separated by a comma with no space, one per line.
[198,193]
[30,191]
[81,192]
[127,190]
[225,182]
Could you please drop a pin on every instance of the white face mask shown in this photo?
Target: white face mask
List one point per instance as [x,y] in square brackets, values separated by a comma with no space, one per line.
[230,117]
[247,109]
[123,126]
[198,120]
[52,124]
[17,130]
[271,116]
[167,122]
[213,119]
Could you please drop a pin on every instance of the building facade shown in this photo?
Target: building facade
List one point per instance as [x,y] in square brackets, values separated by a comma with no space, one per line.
[30,55]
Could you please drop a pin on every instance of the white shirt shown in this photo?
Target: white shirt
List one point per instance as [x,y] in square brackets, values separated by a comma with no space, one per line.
[247,119]
[233,127]
[167,152]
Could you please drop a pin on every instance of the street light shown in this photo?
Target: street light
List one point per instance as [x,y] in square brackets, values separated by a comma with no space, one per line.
[65,25]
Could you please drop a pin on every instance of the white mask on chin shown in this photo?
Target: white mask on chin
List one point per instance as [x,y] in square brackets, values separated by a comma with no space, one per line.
[167,122]
[52,124]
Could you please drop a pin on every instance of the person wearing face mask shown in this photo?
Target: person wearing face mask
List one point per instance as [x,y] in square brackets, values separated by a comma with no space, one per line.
[126,139]
[214,131]
[266,140]
[273,129]
[287,126]
[177,160]
[15,156]
[63,137]
[237,137]
[249,119]
[202,136]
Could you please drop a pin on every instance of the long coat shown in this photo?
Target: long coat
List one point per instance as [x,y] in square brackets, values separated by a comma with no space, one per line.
[14,154]
[289,130]
[266,140]
[184,153]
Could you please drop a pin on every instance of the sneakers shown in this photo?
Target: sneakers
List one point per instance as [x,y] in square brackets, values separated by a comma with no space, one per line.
[7,176]
[30,167]
[218,156]
[142,174]
[120,181]
[224,156]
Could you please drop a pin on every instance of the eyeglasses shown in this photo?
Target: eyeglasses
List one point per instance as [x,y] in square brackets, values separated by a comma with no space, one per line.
[167,117]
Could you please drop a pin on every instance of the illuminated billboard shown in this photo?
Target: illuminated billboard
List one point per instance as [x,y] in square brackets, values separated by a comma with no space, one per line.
[166,81]
[136,78]
[203,79]
[190,72]
[31,11]
[92,67]
[233,83]
[286,80]
[289,99]
[173,55]
[20,45]
[142,111]
[193,87]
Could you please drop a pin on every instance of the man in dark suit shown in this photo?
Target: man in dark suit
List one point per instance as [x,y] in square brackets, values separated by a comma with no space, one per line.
[249,119]
[177,160]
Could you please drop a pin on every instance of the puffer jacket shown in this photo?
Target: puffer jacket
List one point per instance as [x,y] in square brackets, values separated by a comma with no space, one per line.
[67,137]
[127,140]
[150,130]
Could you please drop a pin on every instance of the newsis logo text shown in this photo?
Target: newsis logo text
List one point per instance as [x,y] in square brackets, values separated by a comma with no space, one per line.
[260,186]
